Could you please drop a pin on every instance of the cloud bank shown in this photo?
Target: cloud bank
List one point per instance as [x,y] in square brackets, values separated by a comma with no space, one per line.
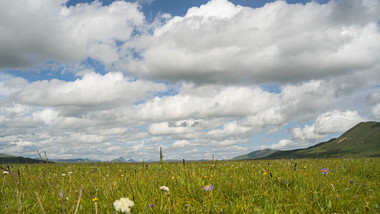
[221,79]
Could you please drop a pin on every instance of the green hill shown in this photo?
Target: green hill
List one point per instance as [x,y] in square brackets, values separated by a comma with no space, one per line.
[2,155]
[9,159]
[255,154]
[362,140]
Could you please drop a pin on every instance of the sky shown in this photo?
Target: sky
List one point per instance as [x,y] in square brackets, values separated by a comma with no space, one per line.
[107,79]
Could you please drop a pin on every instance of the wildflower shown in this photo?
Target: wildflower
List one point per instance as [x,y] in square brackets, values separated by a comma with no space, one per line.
[264,173]
[367,207]
[152,205]
[123,205]
[325,171]
[295,167]
[351,181]
[70,173]
[363,184]
[95,199]
[5,172]
[164,189]
[208,187]
[63,175]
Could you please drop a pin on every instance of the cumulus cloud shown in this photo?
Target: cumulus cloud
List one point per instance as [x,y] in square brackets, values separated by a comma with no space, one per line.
[374,100]
[337,121]
[233,77]
[34,32]
[48,116]
[165,129]
[224,43]
[91,91]
[331,122]
[284,143]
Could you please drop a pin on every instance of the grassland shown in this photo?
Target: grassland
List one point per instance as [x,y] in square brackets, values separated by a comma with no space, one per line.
[350,186]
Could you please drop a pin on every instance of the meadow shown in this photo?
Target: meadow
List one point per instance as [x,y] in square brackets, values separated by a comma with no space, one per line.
[257,186]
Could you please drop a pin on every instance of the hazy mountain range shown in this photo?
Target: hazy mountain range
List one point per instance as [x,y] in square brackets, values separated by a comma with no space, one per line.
[362,140]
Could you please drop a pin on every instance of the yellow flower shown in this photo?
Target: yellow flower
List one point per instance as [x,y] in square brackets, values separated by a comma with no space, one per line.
[206,176]
[367,207]
[264,173]
[211,176]
[95,199]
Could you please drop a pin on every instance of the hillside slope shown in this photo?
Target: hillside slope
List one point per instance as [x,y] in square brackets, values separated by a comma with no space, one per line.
[12,159]
[255,154]
[362,140]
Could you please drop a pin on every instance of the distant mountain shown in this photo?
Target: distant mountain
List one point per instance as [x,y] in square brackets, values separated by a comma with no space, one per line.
[362,140]
[76,160]
[255,154]
[122,160]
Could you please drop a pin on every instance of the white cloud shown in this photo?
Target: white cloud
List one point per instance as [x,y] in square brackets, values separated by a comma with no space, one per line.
[165,129]
[286,144]
[328,123]
[181,144]
[48,30]
[206,101]
[306,133]
[92,91]
[374,100]
[231,129]
[223,43]
[376,111]
[48,116]
[230,73]
[331,122]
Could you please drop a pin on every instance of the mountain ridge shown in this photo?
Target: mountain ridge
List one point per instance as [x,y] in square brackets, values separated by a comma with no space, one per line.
[361,140]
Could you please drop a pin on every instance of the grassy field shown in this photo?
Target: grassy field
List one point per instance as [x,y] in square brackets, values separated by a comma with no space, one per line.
[349,186]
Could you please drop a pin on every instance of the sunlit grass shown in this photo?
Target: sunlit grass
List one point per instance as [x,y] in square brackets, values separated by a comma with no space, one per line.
[350,186]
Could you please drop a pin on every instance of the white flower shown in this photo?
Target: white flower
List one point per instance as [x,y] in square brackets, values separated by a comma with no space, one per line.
[5,172]
[70,173]
[63,175]
[123,205]
[164,189]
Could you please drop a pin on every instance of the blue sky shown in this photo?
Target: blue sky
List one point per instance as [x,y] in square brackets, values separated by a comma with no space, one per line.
[104,79]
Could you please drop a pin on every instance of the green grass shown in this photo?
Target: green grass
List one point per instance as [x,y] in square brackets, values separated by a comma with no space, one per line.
[239,187]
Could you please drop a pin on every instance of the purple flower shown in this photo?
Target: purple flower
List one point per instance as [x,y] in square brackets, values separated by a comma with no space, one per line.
[152,205]
[325,171]
[351,181]
[208,187]
[295,167]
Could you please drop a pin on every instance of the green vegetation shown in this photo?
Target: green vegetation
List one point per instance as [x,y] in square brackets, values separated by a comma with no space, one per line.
[255,186]
[8,159]
[362,140]
[2,155]
[255,154]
